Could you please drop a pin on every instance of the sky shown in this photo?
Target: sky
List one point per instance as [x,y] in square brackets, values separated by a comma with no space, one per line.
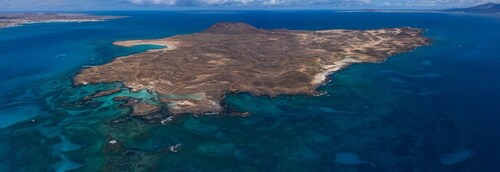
[40,5]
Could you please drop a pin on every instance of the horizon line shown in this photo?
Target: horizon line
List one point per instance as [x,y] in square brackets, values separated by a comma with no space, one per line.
[230,9]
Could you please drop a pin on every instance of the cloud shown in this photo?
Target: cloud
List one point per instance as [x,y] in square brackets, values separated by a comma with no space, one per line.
[157,2]
[299,3]
[246,2]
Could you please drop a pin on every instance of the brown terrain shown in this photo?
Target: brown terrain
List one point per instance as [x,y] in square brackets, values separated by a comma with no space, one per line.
[194,71]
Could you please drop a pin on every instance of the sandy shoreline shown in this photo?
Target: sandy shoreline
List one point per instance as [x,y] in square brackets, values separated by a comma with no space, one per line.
[321,77]
[169,45]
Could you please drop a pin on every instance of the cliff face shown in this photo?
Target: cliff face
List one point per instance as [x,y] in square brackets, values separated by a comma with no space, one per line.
[195,71]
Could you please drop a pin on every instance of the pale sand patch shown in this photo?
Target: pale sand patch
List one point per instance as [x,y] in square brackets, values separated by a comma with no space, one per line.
[218,62]
[331,31]
[183,103]
[328,69]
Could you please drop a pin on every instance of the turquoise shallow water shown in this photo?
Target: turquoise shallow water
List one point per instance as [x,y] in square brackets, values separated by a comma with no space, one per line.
[433,109]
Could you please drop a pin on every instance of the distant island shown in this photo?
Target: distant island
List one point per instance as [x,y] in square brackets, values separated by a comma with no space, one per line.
[194,71]
[484,8]
[17,19]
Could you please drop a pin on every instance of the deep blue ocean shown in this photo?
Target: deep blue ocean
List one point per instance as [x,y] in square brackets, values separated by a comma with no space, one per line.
[434,109]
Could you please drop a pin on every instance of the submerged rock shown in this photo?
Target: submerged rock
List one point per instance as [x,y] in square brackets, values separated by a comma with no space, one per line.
[349,158]
[102,94]
[114,147]
[140,108]
[454,158]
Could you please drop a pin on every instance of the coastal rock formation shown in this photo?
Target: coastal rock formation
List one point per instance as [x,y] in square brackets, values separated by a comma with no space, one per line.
[101,94]
[193,72]
[138,107]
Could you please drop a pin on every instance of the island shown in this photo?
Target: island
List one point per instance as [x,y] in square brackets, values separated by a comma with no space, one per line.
[490,8]
[193,72]
[18,19]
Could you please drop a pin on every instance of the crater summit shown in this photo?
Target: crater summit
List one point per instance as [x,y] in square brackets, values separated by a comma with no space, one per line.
[232,28]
